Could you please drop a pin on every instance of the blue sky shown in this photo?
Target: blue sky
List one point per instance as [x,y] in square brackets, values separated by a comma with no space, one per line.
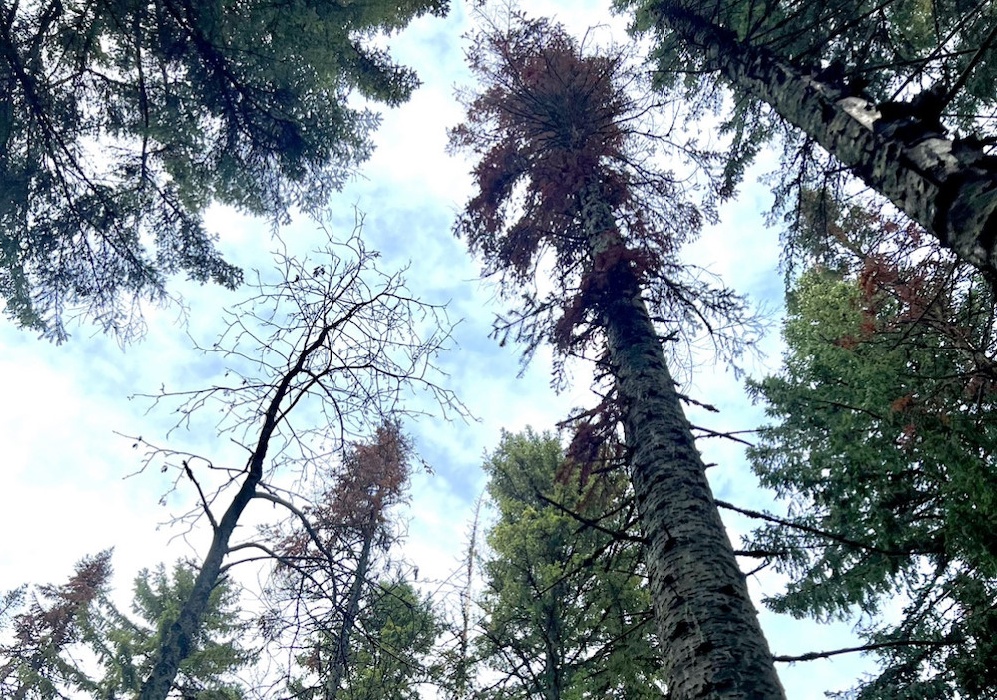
[66,494]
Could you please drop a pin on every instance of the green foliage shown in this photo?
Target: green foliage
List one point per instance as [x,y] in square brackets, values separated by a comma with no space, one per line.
[883,443]
[130,647]
[364,639]
[120,122]
[881,51]
[63,627]
[881,48]
[397,631]
[567,612]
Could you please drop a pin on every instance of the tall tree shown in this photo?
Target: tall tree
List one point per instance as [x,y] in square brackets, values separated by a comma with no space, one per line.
[883,442]
[121,122]
[567,613]
[877,84]
[328,565]
[332,340]
[561,184]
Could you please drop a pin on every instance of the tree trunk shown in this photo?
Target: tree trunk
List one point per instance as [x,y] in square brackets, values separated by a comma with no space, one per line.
[949,186]
[341,652]
[712,645]
[177,639]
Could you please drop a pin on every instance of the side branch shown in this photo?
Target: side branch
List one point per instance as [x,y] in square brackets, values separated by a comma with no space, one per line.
[758,515]
[813,655]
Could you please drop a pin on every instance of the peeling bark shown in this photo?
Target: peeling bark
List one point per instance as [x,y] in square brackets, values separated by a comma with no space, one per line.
[949,186]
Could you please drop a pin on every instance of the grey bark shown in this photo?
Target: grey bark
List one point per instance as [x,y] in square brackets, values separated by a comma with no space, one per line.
[948,186]
[711,643]
[178,639]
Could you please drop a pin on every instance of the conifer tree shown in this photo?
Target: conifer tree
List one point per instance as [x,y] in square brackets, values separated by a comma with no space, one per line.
[882,440]
[62,630]
[560,182]
[900,93]
[325,591]
[121,122]
[566,610]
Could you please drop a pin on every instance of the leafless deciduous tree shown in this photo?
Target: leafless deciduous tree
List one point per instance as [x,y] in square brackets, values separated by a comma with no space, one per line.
[313,361]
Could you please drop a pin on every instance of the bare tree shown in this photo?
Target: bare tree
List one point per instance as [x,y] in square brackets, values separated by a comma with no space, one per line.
[318,358]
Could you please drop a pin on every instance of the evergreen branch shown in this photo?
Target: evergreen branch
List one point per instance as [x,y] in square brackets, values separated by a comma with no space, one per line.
[760,553]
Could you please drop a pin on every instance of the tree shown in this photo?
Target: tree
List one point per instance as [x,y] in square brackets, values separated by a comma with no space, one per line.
[34,662]
[327,565]
[561,184]
[566,610]
[397,631]
[882,441]
[65,625]
[121,122]
[313,359]
[898,75]
[127,648]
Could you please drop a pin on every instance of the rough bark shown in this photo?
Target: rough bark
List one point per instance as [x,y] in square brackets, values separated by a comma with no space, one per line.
[712,645]
[949,186]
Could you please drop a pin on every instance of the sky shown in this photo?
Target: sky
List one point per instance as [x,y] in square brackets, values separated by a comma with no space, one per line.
[74,483]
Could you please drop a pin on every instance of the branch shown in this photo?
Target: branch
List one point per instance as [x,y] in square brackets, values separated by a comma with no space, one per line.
[811,656]
[200,492]
[760,553]
[312,534]
[729,435]
[618,536]
[813,530]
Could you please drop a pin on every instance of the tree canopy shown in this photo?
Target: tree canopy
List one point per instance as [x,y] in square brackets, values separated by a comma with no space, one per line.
[72,639]
[882,442]
[121,122]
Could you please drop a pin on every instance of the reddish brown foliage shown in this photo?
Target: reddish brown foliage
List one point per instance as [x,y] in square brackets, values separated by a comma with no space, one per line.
[920,296]
[551,125]
[563,184]
[899,405]
[373,477]
[52,616]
